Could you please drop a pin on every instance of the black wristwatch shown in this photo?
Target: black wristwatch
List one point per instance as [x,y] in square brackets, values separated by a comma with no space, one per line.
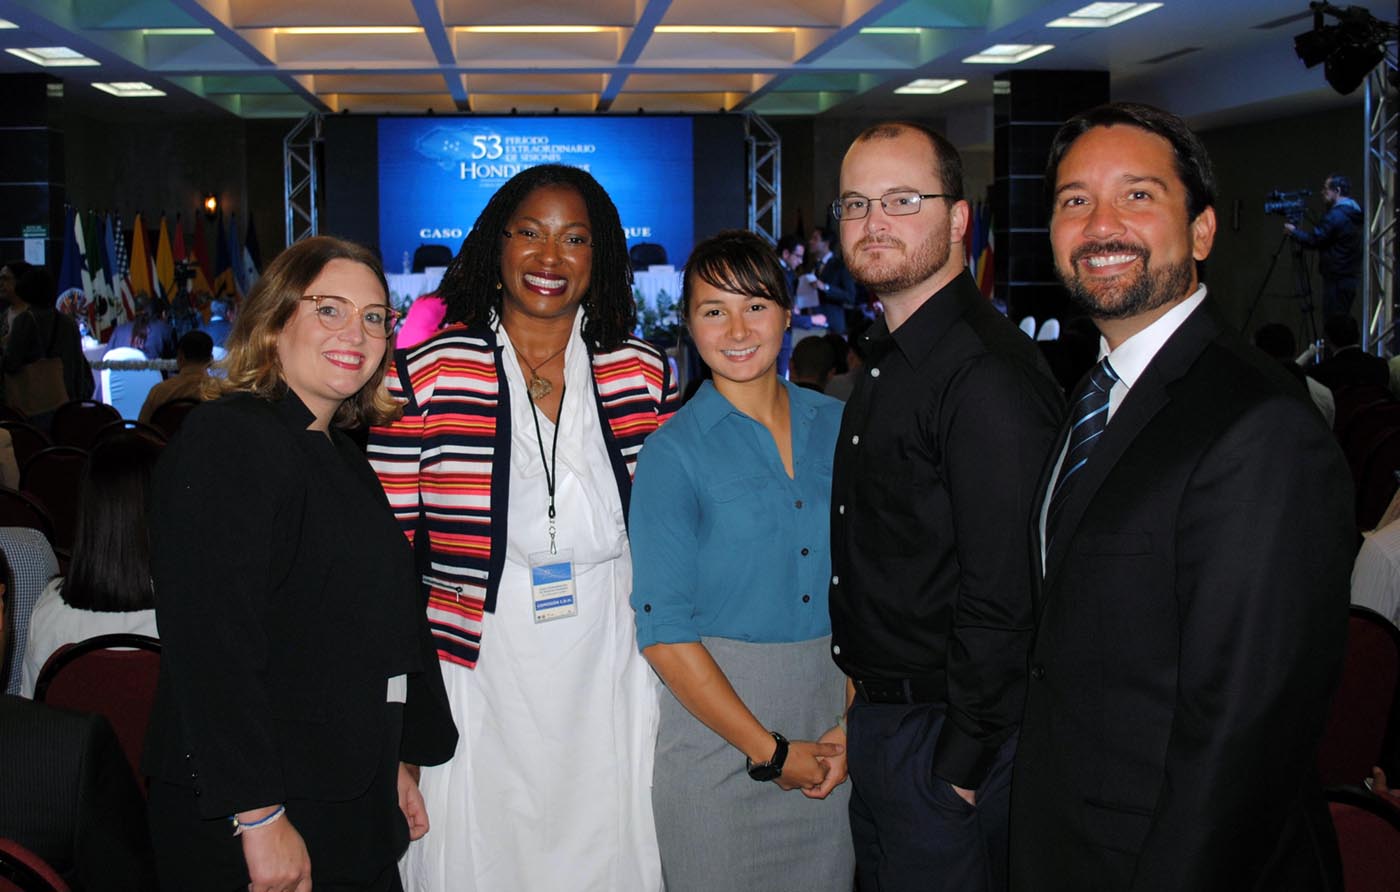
[773,768]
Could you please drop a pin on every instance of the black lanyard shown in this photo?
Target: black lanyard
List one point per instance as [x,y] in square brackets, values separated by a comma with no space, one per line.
[552,464]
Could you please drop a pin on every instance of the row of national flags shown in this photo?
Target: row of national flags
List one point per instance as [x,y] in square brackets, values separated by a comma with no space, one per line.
[980,258]
[99,278]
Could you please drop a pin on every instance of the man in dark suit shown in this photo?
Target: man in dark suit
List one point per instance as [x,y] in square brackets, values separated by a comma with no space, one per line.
[68,794]
[831,279]
[1194,534]
[940,445]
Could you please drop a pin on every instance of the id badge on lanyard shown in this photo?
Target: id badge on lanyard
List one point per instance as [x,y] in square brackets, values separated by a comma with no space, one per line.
[552,590]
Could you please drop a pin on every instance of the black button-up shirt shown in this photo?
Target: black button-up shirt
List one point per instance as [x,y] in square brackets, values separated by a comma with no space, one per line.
[940,452]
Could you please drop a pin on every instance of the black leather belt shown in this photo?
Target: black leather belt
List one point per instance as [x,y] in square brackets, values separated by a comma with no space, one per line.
[901,690]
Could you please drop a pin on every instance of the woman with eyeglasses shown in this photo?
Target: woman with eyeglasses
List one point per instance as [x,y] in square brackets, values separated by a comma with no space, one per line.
[730,534]
[298,689]
[510,471]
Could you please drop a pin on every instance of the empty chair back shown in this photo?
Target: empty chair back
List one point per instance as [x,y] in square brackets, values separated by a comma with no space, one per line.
[27,439]
[1368,835]
[52,479]
[112,675]
[117,428]
[23,871]
[1027,326]
[1049,330]
[1360,720]
[75,423]
[646,255]
[169,416]
[20,510]
[431,255]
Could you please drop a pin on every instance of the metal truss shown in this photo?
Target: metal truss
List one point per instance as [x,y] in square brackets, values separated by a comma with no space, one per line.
[1378,293]
[301,178]
[765,157]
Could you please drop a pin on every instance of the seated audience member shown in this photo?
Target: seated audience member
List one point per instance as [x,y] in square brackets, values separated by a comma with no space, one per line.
[1375,578]
[813,363]
[193,355]
[68,794]
[108,587]
[39,331]
[844,381]
[146,332]
[1276,339]
[220,322]
[1348,364]
[32,564]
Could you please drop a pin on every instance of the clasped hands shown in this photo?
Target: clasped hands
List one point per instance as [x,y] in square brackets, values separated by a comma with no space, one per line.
[815,767]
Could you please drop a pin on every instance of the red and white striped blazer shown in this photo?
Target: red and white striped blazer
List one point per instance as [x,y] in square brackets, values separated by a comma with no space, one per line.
[445,465]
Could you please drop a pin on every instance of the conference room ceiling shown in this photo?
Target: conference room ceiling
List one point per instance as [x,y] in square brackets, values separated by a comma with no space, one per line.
[284,58]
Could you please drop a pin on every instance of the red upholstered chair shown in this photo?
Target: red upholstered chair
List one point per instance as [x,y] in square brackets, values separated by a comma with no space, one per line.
[1376,485]
[19,510]
[76,422]
[113,675]
[1353,400]
[130,427]
[27,438]
[1365,702]
[23,871]
[10,413]
[52,479]
[169,416]
[1368,833]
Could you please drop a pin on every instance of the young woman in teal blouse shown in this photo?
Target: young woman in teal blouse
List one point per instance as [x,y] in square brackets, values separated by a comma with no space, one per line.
[729,522]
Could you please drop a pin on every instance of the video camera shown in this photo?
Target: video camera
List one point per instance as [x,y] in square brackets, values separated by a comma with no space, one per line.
[1289,205]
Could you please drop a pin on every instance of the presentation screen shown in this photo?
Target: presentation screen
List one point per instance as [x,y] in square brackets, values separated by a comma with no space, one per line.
[436,174]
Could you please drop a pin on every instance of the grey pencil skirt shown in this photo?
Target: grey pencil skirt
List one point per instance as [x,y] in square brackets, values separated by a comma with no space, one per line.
[720,830]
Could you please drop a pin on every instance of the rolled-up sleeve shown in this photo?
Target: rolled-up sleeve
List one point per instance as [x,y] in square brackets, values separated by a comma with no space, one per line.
[664,521]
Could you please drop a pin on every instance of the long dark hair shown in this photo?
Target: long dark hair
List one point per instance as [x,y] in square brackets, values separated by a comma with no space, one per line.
[469,287]
[737,261]
[111,567]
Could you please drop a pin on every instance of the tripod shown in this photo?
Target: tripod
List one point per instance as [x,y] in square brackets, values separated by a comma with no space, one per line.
[1302,288]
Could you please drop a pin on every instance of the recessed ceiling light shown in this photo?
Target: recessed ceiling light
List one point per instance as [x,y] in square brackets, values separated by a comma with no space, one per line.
[128,89]
[930,86]
[53,56]
[891,30]
[6,24]
[1009,53]
[1102,15]
[717,29]
[535,29]
[353,29]
[177,32]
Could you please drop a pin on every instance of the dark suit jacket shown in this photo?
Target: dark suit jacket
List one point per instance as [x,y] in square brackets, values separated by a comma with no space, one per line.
[1191,623]
[67,795]
[842,287]
[283,616]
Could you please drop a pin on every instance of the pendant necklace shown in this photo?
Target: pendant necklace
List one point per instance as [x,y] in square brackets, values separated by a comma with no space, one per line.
[539,386]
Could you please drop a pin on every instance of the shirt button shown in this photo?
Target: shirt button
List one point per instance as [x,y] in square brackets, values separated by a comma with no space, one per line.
[1037,672]
[836,580]
[874,373]
[797,504]
[836,649]
[840,509]
[806,598]
[646,608]
[855,440]
[805,552]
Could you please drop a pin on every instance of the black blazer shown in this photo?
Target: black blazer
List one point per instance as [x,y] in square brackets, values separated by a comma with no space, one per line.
[286,597]
[1191,623]
[842,287]
[67,794]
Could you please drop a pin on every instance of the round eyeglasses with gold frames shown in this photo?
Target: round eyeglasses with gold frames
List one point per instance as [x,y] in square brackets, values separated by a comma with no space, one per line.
[336,312]
[897,204]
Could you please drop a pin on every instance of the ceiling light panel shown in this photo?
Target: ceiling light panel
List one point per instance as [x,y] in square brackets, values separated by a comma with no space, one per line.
[129,89]
[53,56]
[352,30]
[1102,15]
[930,86]
[1008,53]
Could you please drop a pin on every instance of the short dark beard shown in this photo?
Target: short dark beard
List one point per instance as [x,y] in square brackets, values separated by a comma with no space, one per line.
[1146,292]
[917,267]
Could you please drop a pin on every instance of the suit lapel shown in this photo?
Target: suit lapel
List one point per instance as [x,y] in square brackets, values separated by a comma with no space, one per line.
[1148,395]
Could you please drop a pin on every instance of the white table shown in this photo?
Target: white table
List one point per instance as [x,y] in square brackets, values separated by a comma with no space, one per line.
[405,288]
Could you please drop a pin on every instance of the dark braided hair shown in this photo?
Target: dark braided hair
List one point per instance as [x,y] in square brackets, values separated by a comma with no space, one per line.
[469,287]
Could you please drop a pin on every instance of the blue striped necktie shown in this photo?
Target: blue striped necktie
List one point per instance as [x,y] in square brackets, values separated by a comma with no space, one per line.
[1090,417]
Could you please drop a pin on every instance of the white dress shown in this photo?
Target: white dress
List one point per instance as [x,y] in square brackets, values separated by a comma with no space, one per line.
[550,787]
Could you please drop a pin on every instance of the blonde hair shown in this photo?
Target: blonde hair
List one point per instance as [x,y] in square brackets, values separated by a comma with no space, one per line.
[252,365]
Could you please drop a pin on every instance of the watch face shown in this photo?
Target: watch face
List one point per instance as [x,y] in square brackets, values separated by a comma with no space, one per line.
[765,772]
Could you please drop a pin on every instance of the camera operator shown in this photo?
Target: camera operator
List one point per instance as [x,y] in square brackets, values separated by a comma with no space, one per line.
[1337,240]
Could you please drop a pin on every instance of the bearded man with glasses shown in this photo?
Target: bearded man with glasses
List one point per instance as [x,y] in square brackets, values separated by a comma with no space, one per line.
[936,465]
